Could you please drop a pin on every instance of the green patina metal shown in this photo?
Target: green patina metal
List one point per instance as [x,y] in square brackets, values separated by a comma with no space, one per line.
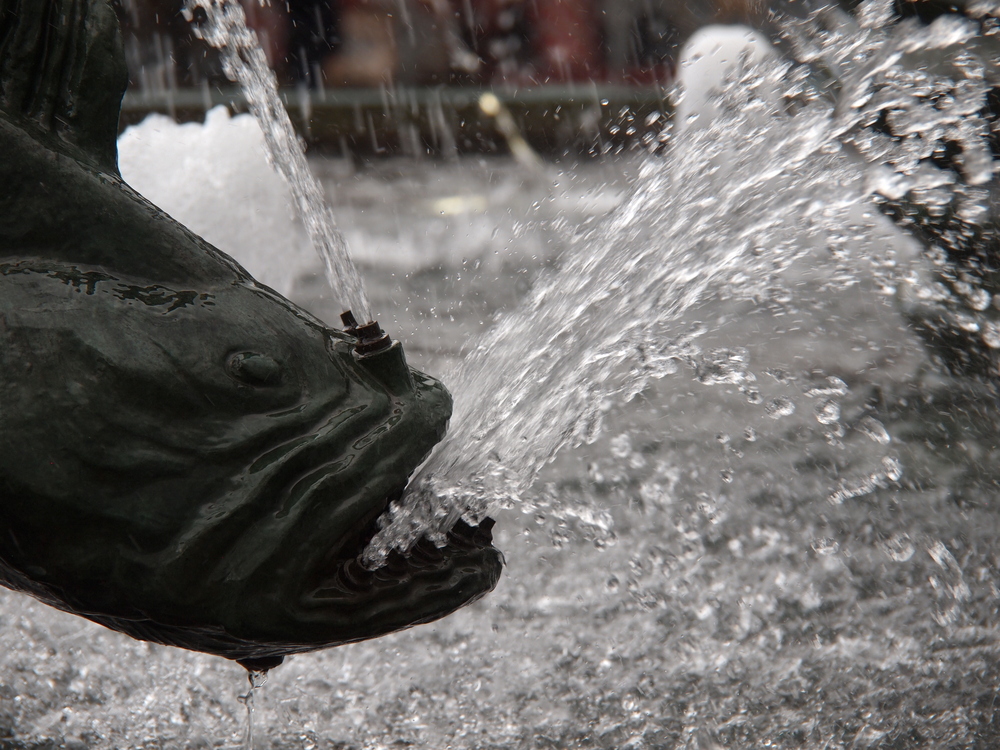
[185,456]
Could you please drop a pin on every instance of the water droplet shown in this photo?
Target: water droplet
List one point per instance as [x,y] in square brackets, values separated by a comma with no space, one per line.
[780,375]
[893,468]
[874,430]
[750,434]
[965,322]
[605,540]
[709,511]
[991,334]
[779,407]
[560,536]
[825,546]
[621,446]
[949,585]
[834,386]
[723,366]
[828,412]
[898,547]
[726,475]
[979,299]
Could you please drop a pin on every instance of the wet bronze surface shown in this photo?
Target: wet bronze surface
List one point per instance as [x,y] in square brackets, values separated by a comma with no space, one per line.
[185,455]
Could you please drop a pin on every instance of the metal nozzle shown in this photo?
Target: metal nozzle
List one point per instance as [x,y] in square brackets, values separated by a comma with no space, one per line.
[371,338]
[379,354]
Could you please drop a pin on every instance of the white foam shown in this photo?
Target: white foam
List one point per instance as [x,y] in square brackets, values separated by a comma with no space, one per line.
[708,56]
[215,179]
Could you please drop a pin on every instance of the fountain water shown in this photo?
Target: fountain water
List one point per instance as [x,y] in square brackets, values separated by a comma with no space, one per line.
[223,25]
[725,211]
[807,525]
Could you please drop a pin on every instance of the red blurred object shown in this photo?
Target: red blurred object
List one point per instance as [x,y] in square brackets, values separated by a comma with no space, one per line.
[270,23]
[566,39]
[368,55]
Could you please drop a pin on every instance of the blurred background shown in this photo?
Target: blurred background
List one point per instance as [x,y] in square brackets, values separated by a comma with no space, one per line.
[404,76]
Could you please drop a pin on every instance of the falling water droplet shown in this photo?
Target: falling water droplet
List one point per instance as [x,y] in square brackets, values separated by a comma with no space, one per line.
[991,334]
[779,407]
[825,546]
[828,412]
[898,547]
[874,430]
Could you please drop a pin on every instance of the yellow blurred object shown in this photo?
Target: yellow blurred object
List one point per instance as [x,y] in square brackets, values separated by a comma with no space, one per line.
[491,106]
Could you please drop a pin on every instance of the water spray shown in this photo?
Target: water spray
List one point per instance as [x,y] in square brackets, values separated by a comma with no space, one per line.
[222,24]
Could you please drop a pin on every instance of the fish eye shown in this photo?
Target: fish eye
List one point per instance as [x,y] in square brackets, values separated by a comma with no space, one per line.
[253,368]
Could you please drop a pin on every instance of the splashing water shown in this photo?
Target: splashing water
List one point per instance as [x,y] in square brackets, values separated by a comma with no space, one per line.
[222,24]
[755,613]
[733,206]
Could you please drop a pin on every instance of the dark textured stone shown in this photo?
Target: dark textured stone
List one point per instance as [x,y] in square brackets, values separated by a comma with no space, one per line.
[185,456]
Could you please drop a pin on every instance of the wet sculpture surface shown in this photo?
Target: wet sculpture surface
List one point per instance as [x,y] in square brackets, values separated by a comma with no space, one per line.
[185,456]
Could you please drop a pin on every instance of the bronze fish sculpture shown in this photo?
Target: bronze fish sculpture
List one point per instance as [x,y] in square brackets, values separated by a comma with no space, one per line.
[185,456]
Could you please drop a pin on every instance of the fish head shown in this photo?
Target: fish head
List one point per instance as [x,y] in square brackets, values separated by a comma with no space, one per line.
[204,465]
[185,455]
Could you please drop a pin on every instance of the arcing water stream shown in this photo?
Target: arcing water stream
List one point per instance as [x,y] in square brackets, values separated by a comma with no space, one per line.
[718,213]
[222,24]
[738,201]
[805,503]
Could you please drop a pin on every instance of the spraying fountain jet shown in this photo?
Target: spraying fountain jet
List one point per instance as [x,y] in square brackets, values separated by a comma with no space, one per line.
[186,456]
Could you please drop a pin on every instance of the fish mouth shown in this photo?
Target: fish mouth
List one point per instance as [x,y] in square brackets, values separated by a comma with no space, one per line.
[342,601]
[465,568]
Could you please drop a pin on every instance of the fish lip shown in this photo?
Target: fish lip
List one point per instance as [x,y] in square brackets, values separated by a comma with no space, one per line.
[353,543]
[341,575]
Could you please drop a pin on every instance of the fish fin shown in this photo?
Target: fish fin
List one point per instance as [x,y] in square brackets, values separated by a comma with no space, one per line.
[63,75]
